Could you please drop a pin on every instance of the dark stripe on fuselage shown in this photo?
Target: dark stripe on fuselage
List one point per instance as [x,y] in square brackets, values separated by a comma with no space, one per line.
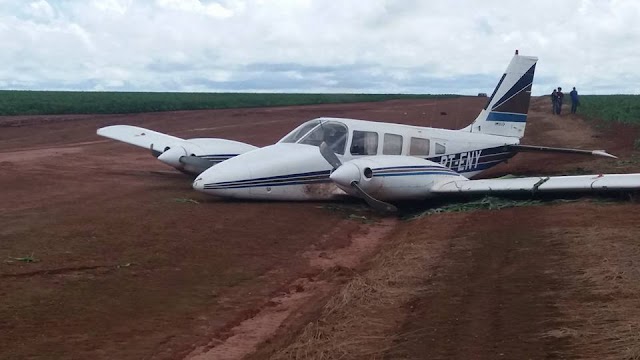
[412,170]
[269,184]
[315,176]
[413,173]
[268,178]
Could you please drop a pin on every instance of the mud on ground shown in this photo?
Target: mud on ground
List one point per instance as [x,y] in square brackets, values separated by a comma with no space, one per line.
[128,262]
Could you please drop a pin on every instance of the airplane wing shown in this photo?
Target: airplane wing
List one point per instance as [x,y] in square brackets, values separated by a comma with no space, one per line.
[139,136]
[535,148]
[580,183]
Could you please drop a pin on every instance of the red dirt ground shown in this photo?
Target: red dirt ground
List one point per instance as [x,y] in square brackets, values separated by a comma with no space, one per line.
[131,263]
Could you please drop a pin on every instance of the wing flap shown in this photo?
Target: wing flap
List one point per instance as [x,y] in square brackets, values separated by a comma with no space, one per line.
[600,182]
[138,136]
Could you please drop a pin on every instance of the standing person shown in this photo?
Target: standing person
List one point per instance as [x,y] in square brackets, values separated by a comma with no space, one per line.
[575,100]
[560,97]
[554,100]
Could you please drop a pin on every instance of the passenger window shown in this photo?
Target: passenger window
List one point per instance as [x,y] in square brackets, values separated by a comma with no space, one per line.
[440,149]
[364,143]
[419,147]
[392,144]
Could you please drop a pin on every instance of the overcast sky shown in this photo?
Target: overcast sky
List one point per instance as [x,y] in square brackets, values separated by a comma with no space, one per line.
[371,46]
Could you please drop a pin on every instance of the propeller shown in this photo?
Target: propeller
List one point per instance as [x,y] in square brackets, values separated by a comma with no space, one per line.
[348,175]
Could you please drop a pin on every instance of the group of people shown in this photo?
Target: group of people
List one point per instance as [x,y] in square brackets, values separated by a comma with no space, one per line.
[557,96]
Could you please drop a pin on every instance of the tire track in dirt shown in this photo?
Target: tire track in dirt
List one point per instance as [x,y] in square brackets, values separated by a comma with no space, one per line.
[244,338]
[493,295]
[554,286]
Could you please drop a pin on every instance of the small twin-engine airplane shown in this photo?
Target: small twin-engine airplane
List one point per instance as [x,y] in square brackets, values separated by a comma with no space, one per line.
[329,157]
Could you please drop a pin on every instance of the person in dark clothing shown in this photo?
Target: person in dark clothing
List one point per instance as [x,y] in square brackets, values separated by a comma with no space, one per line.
[575,100]
[560,97]
[554,99]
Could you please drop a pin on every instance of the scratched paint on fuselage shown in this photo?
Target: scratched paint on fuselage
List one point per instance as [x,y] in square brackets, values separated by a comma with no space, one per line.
[322,191]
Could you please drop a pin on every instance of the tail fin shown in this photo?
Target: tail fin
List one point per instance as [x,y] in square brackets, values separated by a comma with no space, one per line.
[506,111]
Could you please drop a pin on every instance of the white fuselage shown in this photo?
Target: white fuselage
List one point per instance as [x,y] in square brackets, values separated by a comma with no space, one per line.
[294,169]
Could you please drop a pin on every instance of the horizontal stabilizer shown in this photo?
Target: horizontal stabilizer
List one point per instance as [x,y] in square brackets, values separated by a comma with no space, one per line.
[579,183]
[138,136]
[534,148]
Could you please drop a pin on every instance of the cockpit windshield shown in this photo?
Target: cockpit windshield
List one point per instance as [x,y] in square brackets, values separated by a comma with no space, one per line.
[300,131]
[317,131]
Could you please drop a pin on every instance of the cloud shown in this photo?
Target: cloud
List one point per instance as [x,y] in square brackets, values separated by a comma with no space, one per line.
[316,46]
[41,10]
[196,7]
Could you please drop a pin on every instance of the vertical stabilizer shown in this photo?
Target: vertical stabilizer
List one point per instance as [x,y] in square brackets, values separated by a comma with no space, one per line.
[506,111]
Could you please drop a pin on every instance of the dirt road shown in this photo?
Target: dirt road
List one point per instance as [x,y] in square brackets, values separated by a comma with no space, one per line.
[106,253]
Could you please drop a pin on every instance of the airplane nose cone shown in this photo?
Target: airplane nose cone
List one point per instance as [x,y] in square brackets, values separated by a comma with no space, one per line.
[346,174]
[198,184]
[223,181]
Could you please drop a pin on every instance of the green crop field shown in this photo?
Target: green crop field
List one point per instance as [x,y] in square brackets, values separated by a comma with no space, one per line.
[80,102]
[620,108]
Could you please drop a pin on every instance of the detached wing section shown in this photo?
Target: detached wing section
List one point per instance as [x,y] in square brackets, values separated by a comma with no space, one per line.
[580,183]
[139,137]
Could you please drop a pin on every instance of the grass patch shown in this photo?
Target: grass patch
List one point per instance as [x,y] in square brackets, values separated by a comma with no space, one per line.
[617,108]
[485,203]
[14,102]
[186,201]
[25,259]
[498,203]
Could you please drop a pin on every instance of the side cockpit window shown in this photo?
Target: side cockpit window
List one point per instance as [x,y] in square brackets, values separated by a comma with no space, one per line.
[364,143]
[333,133]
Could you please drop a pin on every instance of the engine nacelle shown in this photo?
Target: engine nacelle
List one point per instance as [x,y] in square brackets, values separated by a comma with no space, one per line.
[172,156]
[204,151]
[393,177]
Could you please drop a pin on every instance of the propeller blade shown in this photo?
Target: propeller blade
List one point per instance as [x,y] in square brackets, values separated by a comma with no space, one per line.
[373,202]
[154,152]
[330,156]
